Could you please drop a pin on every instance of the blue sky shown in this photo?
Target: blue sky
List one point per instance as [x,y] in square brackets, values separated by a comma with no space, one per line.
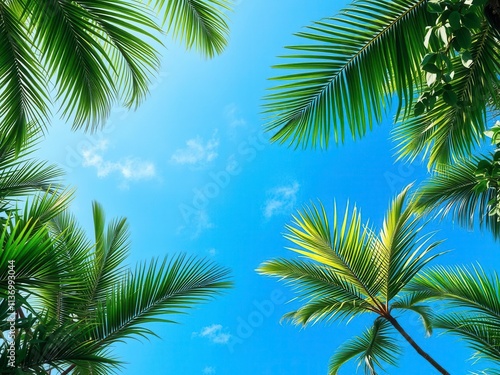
[193,172]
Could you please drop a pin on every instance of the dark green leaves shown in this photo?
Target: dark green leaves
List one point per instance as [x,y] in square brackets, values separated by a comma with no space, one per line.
[92,54]
[199,23]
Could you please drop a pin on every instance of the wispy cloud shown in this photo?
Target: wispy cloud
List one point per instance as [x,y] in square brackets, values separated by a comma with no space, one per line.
[281,200]
[209,370]
[215,333]
[212,252]
[199,221]
[197,152]
[233,117]
[129,168]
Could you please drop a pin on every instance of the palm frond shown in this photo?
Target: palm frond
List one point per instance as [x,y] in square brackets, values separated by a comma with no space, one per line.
[478,332]
[41,342]
[345,246]
[452,191]
[94,52]
[153,292]
[198,23]
[462,287]
[400,251]
[448,133]
[374,347]
[111,249]
[346,71]
[23,97]
[328,296]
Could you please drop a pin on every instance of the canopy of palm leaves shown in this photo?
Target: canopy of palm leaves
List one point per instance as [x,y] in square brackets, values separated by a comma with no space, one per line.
[348,68]
[90,54]
[75,297]
[348,270]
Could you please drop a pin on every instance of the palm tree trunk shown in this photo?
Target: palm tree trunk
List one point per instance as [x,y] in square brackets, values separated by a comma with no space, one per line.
[415,346]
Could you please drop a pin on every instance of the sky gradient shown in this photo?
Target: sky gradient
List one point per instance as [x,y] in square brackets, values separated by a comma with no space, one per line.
[193,172]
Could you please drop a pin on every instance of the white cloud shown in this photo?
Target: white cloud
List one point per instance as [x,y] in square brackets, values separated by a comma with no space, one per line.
[232,115]
[281,200]
[197,152]
[212,252]
[215,333]
[128,168]
[197,221]
[209,370]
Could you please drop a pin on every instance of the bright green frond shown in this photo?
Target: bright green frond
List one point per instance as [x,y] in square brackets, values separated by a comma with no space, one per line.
[41,342]
[37,264]
[346,70]
[326,294]
[400,250]
[344,246]
[373,348]
[198,23]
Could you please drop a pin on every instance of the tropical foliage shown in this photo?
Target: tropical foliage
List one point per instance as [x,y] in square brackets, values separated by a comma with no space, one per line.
[349,68]
[350,270]
[75,297]
[90,54]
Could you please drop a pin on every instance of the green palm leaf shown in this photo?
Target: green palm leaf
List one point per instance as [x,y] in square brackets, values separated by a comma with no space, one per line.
[23,97]
[100,45]
[371,349]
[349,271]
[94,52]
[453,191]
[328,296]
[155,290]
[106,266]
[476,331]
[400,251]
[41,342]
[346,71]
[199,23]
[344,246]
[20,175]
[469,288]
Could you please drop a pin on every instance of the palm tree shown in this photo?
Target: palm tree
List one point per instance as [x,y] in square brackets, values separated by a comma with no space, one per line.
[351,271]
[91,54]
[75,297]
[348,69]
[471,308]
